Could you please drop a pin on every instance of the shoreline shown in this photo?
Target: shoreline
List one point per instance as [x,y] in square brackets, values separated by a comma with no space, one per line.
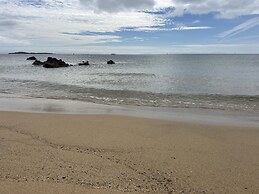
[80,153]
[74,107]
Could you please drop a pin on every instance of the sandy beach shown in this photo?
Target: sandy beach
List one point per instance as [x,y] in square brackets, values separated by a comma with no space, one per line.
[69,153]
[129,97]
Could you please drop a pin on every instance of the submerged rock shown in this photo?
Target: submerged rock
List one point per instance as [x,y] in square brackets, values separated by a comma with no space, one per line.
[83,63]
[31,58]
[54,63]
[110,62]
[37,63]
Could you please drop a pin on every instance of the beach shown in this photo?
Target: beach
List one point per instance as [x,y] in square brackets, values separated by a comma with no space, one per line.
[48,152]
[129,96]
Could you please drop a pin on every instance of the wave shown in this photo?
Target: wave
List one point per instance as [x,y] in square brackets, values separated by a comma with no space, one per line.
[123,74]
[42,89]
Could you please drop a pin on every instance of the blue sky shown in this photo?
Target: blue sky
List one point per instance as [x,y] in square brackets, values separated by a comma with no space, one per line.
[130,26]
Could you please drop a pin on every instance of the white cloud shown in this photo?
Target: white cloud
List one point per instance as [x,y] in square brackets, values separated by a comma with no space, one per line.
[42,22]
[240,28]
[196,22]
[179,28]
[223,8]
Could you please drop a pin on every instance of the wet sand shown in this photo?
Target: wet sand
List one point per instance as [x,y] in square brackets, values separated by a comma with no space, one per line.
[194,115]
[66,153]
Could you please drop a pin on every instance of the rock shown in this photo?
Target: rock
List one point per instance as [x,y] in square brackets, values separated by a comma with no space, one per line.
[37,63]
[32,58]
[110,62]
[54,63]
[83,63]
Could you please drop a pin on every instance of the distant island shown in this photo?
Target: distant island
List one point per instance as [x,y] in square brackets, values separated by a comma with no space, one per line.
[28,53]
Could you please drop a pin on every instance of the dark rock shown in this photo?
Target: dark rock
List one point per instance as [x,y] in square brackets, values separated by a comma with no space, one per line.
[110,62]
[84,63]
[31,58]
[37,63]
[54,63]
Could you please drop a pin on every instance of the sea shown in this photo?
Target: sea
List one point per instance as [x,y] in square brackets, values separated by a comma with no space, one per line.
[216,81]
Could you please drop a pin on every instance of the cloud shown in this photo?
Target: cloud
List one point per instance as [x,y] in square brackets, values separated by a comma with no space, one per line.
[12,41]
[196,21]
[36,3]
[240,28]
[118,5]
[223,8]
[7,24]
[92,38]
[179,28]
[41,22]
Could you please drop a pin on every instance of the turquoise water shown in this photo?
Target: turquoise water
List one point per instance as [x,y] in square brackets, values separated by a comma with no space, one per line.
[201,81]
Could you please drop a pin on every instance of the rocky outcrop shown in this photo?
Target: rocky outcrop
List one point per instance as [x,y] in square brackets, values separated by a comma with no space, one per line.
[31,58]
[37,63]
[110,62]
[84,63]
[51,63]
[54,63]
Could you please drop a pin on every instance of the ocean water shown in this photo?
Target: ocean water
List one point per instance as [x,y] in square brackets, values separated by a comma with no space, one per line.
[227,82]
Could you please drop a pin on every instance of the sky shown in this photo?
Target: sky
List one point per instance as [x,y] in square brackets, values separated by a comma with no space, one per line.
[129,26]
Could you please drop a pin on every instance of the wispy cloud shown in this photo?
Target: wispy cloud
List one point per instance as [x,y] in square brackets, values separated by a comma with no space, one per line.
[93,38]
[196,21]
[179,28]
[240,28]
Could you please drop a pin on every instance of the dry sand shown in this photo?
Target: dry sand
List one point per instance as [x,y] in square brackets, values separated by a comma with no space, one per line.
[54,153]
